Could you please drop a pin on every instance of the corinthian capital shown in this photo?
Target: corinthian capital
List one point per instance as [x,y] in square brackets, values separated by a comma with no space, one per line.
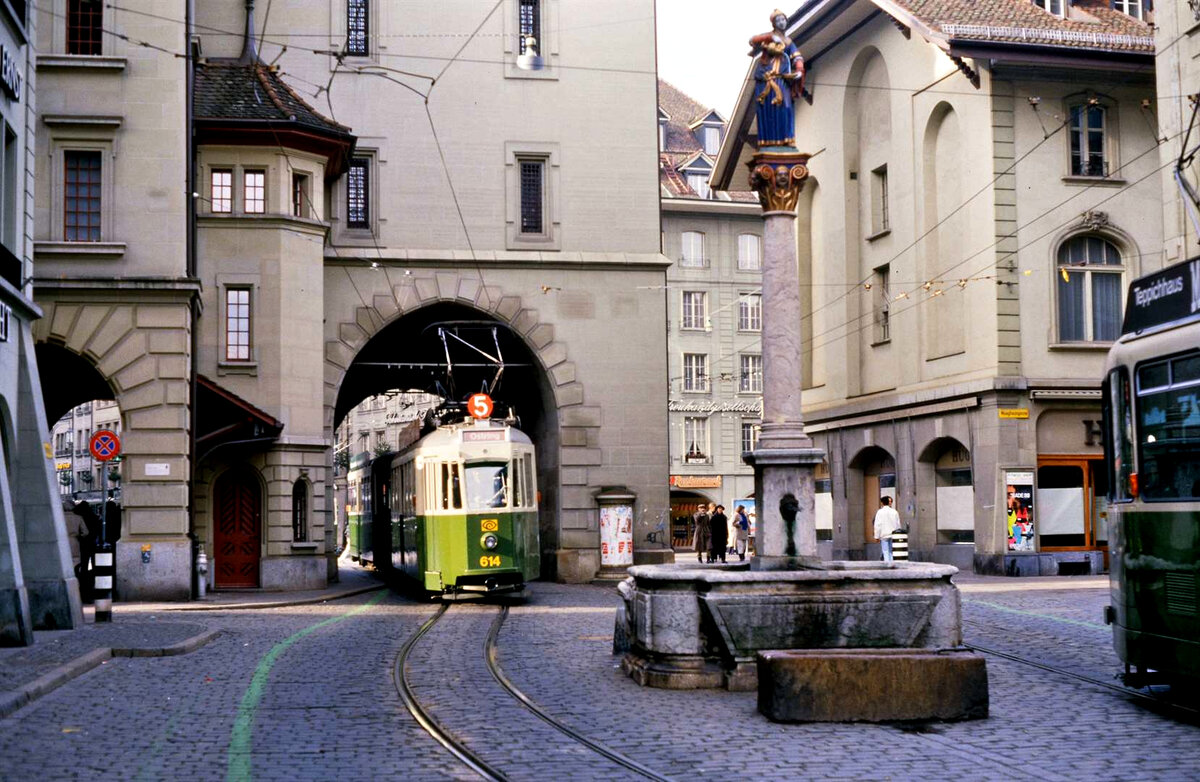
[778,179]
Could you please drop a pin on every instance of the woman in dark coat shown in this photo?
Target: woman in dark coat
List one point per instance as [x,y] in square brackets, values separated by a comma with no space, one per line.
[701,540]
[719,531]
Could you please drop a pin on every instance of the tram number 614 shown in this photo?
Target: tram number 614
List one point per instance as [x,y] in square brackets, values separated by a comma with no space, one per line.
[489,560]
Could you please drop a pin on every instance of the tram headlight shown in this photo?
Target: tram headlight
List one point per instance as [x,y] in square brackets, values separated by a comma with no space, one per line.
[490,542]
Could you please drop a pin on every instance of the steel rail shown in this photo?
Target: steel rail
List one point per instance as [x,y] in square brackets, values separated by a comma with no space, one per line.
[424,719]
[1123,689]
[490,652]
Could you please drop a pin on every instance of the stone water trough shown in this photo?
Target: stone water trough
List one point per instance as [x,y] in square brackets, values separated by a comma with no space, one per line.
[687,627]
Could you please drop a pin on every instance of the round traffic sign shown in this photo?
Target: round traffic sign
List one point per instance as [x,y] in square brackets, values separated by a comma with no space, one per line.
[105,445]
[480,406]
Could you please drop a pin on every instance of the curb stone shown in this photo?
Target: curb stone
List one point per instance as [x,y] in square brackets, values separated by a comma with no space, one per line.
[28,693]
[279,603]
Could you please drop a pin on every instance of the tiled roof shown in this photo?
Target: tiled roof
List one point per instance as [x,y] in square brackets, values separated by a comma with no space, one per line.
[681,142]
[231,90]
[1090,24]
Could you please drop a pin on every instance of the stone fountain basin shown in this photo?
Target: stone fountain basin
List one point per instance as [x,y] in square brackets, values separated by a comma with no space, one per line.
[691,627]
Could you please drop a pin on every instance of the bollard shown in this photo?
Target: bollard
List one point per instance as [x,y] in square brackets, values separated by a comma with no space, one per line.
[103,560]
[201,574]
[900,545]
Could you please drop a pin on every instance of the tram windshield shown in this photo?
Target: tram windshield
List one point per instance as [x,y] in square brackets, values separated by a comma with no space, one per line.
[1169,429]
[487,485]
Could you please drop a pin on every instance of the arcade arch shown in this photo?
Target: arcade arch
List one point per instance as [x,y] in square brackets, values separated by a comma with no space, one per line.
[871,475]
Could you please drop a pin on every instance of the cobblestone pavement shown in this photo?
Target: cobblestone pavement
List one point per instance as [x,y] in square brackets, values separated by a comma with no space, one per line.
[307,693]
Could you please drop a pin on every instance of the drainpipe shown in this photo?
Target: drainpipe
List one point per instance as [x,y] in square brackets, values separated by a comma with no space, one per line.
[194,306]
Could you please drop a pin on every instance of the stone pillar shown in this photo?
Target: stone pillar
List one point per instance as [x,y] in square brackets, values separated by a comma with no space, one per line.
[784,489]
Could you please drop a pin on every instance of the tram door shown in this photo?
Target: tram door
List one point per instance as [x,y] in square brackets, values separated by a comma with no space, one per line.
[237,525]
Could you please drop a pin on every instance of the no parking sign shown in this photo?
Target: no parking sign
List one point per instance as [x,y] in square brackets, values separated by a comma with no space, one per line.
[105,445]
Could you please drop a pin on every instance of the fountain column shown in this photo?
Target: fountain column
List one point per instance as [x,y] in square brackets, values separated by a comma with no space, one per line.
[784,461]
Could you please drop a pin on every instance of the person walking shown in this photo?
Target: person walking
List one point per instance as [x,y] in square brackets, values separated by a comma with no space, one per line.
[741,526]
[720,533]
[701,535]
[887,521]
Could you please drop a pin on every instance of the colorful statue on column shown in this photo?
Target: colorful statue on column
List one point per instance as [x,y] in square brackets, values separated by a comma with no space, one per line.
[778,79]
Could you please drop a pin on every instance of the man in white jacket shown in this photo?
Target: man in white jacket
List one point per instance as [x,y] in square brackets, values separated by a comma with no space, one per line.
[887,521]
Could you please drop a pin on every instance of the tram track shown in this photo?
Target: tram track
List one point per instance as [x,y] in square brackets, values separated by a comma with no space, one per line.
[1189,713]
[457,747]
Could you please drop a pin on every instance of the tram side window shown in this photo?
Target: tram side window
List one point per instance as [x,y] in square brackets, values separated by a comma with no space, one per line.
[1168,415]
[451,494]
[530,484]
[520,496]
[1120,435]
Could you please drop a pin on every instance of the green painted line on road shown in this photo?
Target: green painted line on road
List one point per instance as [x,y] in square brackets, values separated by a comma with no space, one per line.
[243,724]
[1019,612]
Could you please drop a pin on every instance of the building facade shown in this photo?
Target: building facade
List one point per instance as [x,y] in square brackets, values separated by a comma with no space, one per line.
[335,217]
[714,315]
[38,589]
[986,185]
[1177,30]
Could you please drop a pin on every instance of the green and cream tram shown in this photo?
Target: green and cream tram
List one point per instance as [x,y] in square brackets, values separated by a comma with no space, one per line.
[454,512]
[1152,451]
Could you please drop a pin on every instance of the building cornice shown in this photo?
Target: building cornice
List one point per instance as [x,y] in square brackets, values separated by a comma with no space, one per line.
[339,255]
[701,206]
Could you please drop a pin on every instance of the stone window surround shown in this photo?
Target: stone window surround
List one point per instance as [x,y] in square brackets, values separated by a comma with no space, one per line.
[1112,139]
[83,134]
[1123,247]
[376,33]
[551,238]
[336,208]
[547,46]
[224,282]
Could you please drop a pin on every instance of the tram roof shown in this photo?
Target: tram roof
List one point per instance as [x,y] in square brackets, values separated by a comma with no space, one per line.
[451,434]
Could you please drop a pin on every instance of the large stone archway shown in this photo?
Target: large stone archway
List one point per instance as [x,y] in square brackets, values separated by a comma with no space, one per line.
[140,345]
[574,458]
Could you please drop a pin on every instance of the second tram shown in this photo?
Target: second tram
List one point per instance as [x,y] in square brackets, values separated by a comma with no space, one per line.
[1152,453]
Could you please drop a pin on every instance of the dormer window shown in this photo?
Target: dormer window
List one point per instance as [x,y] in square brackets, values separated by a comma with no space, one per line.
[696,172]
[663,119]
[1056,7]
[1134,8]
[699,183]
[710,137]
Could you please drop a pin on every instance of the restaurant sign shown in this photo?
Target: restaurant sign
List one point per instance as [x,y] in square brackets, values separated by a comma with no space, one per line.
[696,481]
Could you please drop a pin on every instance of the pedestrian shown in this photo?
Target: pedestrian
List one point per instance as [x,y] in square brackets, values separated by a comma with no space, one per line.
[741,527]
[82,532]
[887,521]
[720,533]
[701,537]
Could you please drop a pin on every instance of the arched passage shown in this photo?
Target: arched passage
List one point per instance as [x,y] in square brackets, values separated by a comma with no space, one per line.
[871,475]
[68,379]
[946,496]
[394,345]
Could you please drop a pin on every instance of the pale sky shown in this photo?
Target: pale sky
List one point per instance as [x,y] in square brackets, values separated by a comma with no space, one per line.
[702,45]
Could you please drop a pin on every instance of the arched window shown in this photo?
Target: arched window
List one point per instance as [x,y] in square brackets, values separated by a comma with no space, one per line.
[300,511]
[1089,290]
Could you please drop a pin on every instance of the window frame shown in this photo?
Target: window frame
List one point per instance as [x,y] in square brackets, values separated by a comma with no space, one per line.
[261,201]
[880,212]
[686,261]
[98,156]
[694,425]
[302,195]
[367,33]
[1087,271]
[548,39]
[882,304]
[1124,6]
[94,42]
[524,164]
[226,331]
[696,375]
[743,262]
[750,313]
[750,382]
[300,514]
[548,155]
[1053,7]
[754,428]
[693,313]
[213,198]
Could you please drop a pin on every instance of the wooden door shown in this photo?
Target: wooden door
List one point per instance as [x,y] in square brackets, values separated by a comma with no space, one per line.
[237,525]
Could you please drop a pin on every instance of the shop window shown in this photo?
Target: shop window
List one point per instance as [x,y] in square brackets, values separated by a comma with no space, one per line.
[955,497]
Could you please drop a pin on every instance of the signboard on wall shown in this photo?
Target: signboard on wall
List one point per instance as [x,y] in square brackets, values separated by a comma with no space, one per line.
[1163,297]
[696,481]
[1018,499]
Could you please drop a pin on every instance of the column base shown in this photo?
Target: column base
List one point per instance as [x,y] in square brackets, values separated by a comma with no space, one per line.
[16,628]
[55,604]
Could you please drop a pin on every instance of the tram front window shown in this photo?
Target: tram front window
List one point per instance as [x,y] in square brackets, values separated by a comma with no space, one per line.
[487,485]
[1169,429]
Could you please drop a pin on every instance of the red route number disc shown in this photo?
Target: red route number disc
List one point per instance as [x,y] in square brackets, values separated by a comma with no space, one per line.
[480,406]
[105,445]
